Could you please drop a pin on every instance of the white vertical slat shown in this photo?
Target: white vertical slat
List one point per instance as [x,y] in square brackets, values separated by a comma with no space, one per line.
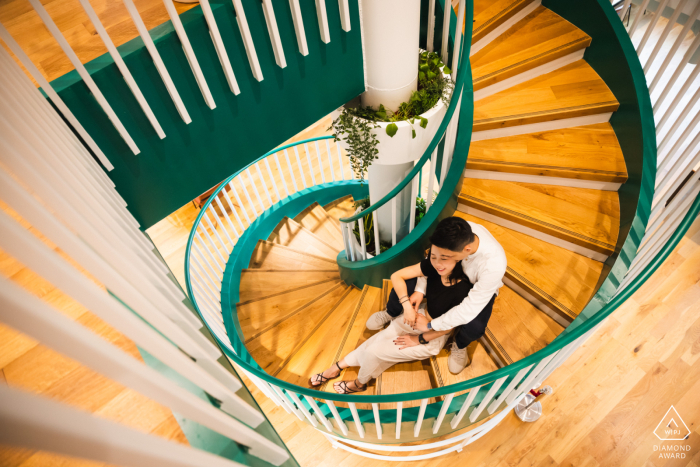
[651,25]
[445,156]
[219,47]
[61,106]
[465,406]
[273,31]
[677,73]
[340,160]
[247,196]
[238,200]
[56,33]
[207,250]
[527,384]
[421,414]
[272,180]
[285,399]
[670,136]
[339,421]
[303,409]
[393,221]
[311,167]
[445,31]
[247,40]
[377,245]
[30,315]
[431,26]
[399,412]
[377,420]
[506,392]
[344,15]
[233,209]
[301,168]
[664,34]
[412,212]
[638,17]
[226,216]
[39,423]
[356,418]
[458,38]
[489,395]
[291,172]
[625,7]
[319,413]
[330,160]
[443,410]
[267,191]
[323,21]
[363,246]
[157,60]
[189,53]
[218,219]
[431,180]
[670,182]
[255,188]
[213,245]
[216,233]
[126,74]
[346,240]
[279,168]
[349,227]
[320,164]
[299,27]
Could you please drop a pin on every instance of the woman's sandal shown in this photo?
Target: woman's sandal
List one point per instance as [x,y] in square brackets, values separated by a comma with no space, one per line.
[346,390]
[322,378]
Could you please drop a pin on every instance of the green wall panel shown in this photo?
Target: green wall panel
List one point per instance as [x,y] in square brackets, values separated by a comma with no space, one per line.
[193,158]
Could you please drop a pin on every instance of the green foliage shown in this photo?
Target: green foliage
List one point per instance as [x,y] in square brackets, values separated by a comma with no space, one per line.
[355,128]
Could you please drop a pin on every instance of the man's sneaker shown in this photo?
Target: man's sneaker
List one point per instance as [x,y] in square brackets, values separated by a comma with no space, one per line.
[378,320]
[458,359]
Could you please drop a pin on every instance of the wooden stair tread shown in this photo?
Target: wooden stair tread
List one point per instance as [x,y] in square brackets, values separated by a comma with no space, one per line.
[589,152]
[268,255]
[342,207]
[481,364]
[355,334]
[277,345]
[489,14]
[316,220]
[540,37]
[574,90]
[317,352]
[589,218]
[289,233]
[259,316]
[257,284]
[517,329]
[562,279]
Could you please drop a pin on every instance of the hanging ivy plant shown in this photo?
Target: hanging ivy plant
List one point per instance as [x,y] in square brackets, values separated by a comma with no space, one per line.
[355,128]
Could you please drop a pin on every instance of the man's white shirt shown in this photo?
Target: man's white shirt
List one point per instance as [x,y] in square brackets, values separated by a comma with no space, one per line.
[485,269]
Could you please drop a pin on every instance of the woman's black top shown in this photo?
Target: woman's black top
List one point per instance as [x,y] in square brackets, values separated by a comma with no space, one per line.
[441,298]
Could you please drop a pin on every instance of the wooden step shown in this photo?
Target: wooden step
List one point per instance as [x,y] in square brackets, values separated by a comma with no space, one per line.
[589,219]
[481,364]
[518,329]
[273,348]
[560,281]
[539,38]
[589,152]
[342,207]
[489,14]
[402,377]
[318,350]
[257,284]
[272,256]
[316,220]
[355,334]
[572,91]
[260,316]
[289,233]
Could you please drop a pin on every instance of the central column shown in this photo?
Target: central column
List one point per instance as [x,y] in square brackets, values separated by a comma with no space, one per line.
[391,32]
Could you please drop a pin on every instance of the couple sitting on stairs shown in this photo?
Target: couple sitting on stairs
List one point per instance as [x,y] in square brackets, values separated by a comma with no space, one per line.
[459,301]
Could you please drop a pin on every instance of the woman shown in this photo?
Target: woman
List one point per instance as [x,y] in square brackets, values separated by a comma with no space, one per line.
[447,286]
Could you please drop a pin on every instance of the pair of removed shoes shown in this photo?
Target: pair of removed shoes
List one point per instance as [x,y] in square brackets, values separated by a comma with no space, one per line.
[458,359]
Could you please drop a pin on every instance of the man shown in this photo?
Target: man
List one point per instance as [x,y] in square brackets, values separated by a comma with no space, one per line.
[484,262]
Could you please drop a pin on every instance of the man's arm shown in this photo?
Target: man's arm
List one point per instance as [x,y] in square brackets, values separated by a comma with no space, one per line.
[478,297]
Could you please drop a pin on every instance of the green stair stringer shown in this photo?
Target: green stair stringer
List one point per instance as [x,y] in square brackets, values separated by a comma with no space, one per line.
[169,173]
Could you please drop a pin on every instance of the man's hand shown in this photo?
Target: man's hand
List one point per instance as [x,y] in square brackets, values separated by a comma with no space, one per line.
[416,299]
[406,341]
[421,324]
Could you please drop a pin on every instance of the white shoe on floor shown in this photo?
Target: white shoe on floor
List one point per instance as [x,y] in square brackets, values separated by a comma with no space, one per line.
[458,359]
[378,320]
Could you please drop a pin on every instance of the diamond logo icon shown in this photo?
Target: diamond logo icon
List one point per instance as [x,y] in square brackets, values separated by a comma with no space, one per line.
[672,427]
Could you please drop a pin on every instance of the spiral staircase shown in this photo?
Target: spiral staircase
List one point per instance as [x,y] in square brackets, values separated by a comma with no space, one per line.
[548,142]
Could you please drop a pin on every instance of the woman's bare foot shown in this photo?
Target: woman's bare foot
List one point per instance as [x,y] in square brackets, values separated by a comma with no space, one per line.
[348,387]
[330,373]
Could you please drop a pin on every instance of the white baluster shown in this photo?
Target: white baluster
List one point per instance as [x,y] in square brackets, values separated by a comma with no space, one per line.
[255,188]
[340,160]
[344,15]
[625,7]
[465,406]
[330,160]
[319,413]
[447,10]
[423,406]
[226,216]
[291,172]
[279,168]
[272,179]
[431,26]
[219,47]
[638,17]
[506,392]
[213,245]
[377,246]
[285,400]
[262,180]
[247,40]
[298,21]
[320,164]
[349,227]
[274,33]
[399,411]
[660,41]
[377,420]
[233,209]
[489,395]
[651,25]
[339,421]
[443,410]
[527,384]
[393,221]
[356,418]
[240,203]
[323,21]
[412,212]
[308,160]
[458,38]
[431,180]
[216,233]
[301,169]
[303,409]
[670,136]
[361,225]
[218,221]
[250,200]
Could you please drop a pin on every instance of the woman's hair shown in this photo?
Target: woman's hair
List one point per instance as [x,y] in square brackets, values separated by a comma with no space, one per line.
[457,273]
[452,233]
